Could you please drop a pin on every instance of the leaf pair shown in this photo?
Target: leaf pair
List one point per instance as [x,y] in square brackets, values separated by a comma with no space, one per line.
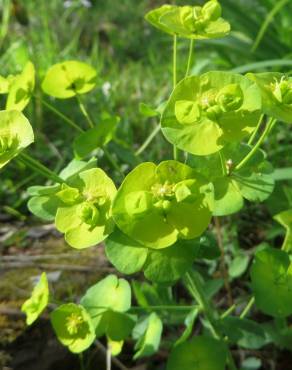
[194,22]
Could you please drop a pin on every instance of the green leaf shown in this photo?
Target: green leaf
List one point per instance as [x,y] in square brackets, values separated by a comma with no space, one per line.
[73,327]
[110,293]
[21,89]
[204,113]
[169,264]
[156,205]
[15,134]
[276,89]
[189,323]
[67,79]
[96,137]
[228,199]
[38,300]
[4,85]
[271,277]
[238,265]
[127,255]
[119,325]
[76,166]
[199,353]
[243,332]
[251,363]
[44,207]
[285,219]
[147,111]
[148,333]
[154,16]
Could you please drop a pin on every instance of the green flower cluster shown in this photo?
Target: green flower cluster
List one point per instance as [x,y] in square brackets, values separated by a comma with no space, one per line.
[194,22]
[81,205]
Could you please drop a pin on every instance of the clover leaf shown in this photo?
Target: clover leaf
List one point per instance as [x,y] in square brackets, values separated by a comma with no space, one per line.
[199,353]
[276,89]
[21,88]
[148,335]
[73,327]
[206,112]
[271,279]
[107,303]
[157,205]
[67,79]
[165,265]
[38,300]
[253,182]
[285,219]
[86,216]
[194,22]
[15,134]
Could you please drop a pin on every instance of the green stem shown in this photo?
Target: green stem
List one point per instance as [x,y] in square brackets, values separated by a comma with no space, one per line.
[223,163]
[148,140]
[81,359]
[84,111]
[190,57]
[61,115]
[265,133]
[174,79]
[247,308]
[39,167]
[164,308]
[251,139]
[112,161]
[228,311]
[197,291]
[174,61]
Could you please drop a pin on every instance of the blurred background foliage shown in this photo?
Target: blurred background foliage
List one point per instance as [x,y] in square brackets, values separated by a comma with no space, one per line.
[134,64]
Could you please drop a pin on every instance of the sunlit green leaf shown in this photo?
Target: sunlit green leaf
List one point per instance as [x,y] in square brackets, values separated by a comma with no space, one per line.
[285,219]
[38,300]
[67,79]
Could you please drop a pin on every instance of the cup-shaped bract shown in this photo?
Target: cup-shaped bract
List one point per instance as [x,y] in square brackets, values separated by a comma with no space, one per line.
[73,327]
[38,300]
[15,134]
[276,89]
[67,79]
[193,22]
[206,112]
[157,205]
[21,88]
[86,216]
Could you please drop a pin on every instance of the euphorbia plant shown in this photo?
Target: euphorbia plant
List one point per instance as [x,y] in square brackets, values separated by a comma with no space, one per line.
[157,219]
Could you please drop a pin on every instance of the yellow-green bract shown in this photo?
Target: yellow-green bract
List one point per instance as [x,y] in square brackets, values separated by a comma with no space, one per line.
[73,327]
[86,216]
[67,79]
[157,205]
[21,88]
[107,303]
[15,134]
[38,300]
[194,22]
[206,112]
[276,90]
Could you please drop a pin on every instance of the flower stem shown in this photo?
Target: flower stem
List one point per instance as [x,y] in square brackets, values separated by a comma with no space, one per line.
[196,289]
[60,114]
[174,79]
[148,140]
[251,139]
[108,358]
[84,111]
[190,57]
[247,308]
[265,133]
[39,167]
